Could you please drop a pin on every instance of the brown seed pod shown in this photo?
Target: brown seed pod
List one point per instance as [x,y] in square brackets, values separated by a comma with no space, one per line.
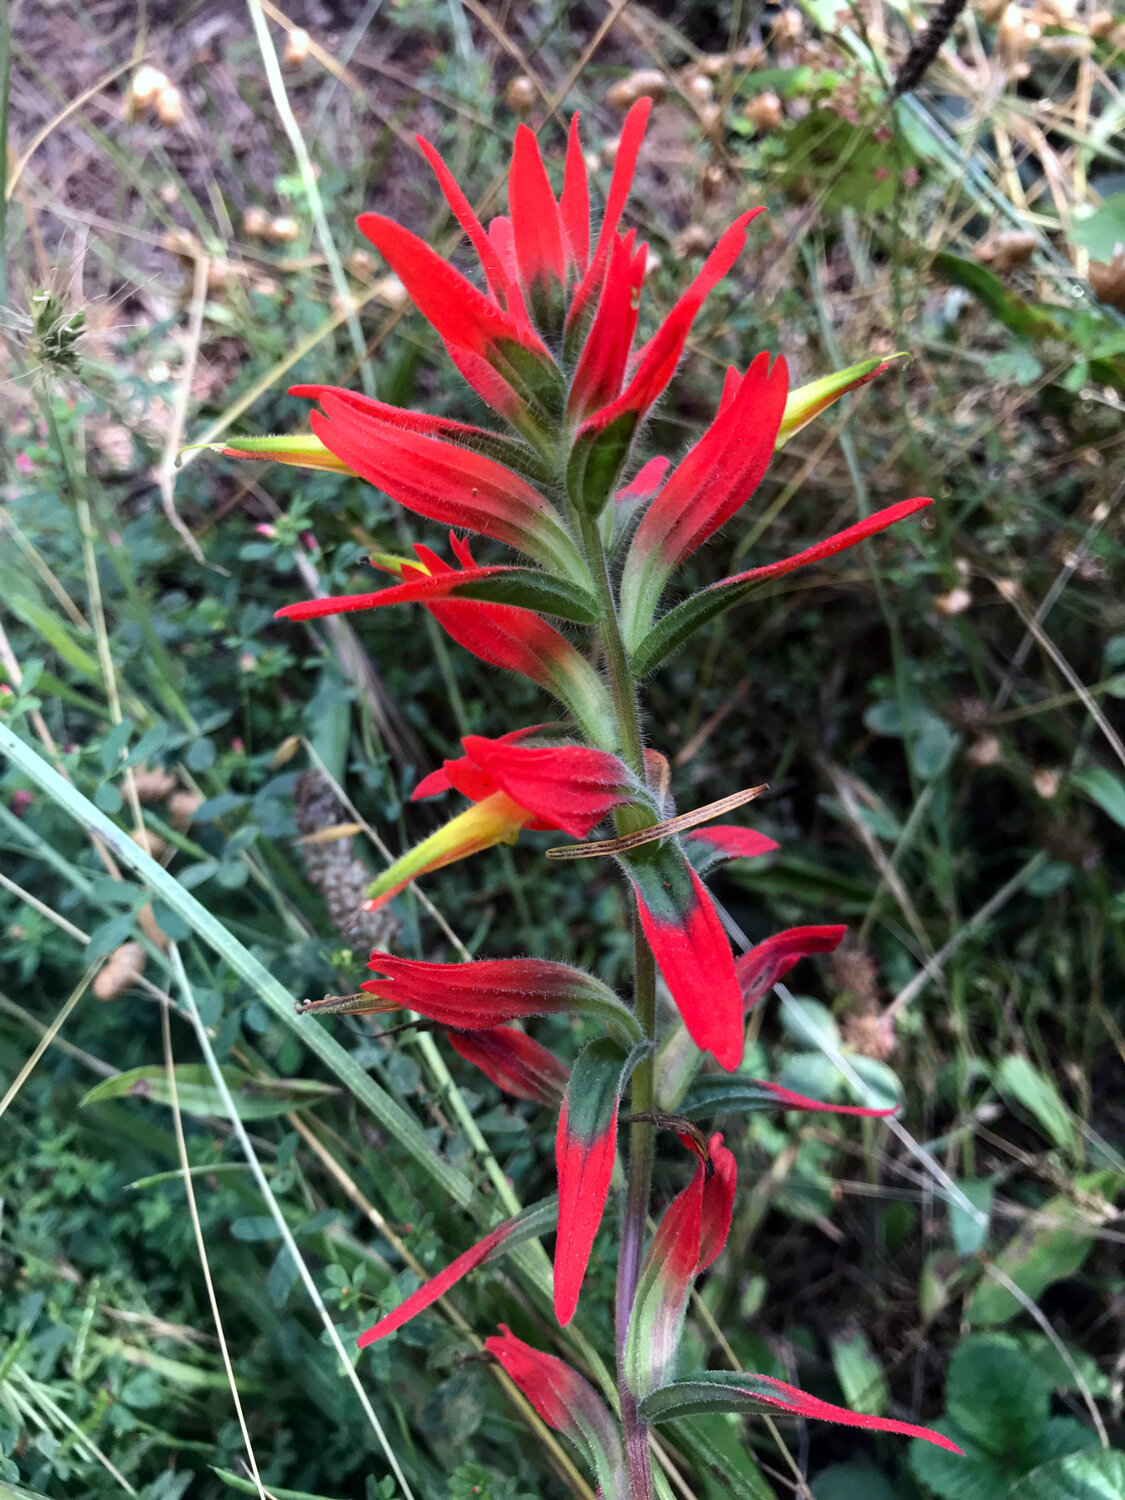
[1107,280]
[126,965]
[183,806]
[256,222]
[146,84]
[283,230]
[521,94]
[644,83]
[154,783]
[711,181]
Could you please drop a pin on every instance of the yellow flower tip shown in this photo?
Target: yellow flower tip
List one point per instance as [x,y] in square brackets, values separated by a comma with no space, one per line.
[494,820]
[809,401]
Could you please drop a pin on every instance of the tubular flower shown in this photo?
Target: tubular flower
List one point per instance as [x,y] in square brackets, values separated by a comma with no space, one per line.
[567,1403]
[515,1062]
[512,785]
[691,1235]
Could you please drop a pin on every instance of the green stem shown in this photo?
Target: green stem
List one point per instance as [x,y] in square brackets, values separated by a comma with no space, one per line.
[642,1132]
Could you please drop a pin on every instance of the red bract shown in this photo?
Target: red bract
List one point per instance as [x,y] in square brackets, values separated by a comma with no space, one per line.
[585,1145]
[691,950]
[515,1062]
[716,843]
[762,966]
[717,477]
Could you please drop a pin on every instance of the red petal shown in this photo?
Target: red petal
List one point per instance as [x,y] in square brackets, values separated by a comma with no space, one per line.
[789,1398]
[721,471]
[436,1287]
[571,787]
[514,1061]
[759,969]
[585,1169]
[732,842]
[656,362]
[574,205]
[718,1203]
[535,215]
[879,521]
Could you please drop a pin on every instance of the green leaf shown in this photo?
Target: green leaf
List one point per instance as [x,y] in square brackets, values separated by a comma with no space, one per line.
[810,1023]
[1106,789]
[996,1395]
[860,1373]
[1052,1245]
[1039,1096]
[690,615]
[1102,231]
[976,1475]
[1082,1476]
[726,1093]
[256,1098]
[852,1482]
[1014,312]
[248,1487]
[708,1391]
[968,1233]
[715,1446]
[529,588]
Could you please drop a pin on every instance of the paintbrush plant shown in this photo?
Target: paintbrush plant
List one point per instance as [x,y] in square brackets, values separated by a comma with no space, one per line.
[548,343]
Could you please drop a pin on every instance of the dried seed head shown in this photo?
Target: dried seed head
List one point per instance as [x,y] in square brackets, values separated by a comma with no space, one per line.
[283,230]
[750,57]
[699,88]
[255,222]
[361,265]
[711,181]
[694,240]
[1107,280]
[765,111]
[126,965]
[521,94]
[870,1036]
[1005,251]
[296,47]
[146,85]
[644,83]
[154,783]
[653,262]
[1012,31]
[1047,782]
[714,64]
[711,118]
[856,974]
[985,751]
[169,106]
[183,243]
[788,27]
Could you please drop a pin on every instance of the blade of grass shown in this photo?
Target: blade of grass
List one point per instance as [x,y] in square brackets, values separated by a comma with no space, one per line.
[279,1218]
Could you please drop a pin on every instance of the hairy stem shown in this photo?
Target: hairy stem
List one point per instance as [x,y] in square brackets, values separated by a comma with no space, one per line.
[641,1132]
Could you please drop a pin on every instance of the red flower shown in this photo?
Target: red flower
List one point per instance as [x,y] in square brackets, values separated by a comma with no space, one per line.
[512,785]
[515,1062]
[567,1403]
[762,966]
[691,1235]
